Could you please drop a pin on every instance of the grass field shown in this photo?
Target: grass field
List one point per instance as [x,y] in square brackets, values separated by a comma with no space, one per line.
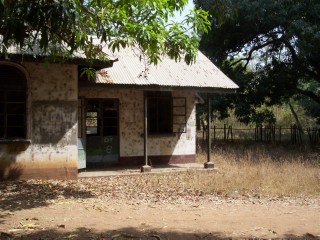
[265,170]
[260,171]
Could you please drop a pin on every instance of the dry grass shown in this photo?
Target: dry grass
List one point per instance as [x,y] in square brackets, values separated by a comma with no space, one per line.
[250,171]
[264,170]
[242,171]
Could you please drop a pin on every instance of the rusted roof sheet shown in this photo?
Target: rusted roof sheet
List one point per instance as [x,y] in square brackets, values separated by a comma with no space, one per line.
[129,70]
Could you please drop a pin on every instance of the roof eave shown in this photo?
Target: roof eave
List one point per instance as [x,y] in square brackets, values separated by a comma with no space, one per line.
[41,59]
[159,88]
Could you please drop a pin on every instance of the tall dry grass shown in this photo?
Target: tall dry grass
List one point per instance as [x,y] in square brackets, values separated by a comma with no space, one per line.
[242,170]
[265,170]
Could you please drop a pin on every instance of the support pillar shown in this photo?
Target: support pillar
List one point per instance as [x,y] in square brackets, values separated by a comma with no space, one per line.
[209,163]
[146,167]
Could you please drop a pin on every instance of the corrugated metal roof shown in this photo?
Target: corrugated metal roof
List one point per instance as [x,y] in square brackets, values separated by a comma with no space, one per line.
[129,70]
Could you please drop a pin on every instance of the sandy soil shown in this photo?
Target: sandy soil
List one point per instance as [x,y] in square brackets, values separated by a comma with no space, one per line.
[36,214]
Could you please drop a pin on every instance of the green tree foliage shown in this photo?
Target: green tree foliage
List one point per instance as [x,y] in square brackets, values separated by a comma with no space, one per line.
[249,103]
[62,27]
[271,49]
[310,106]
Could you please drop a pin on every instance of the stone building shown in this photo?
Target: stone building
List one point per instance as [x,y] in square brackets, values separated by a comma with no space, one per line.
[55,121]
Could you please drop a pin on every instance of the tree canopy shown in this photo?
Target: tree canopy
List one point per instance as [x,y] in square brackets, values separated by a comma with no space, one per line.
[271,49]
[60,27]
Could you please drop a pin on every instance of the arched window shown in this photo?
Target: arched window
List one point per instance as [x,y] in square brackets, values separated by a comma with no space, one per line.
[13,94]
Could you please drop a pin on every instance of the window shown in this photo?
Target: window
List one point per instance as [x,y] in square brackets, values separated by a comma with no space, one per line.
[92,117]
[13,88]
[159,112]
[102,117]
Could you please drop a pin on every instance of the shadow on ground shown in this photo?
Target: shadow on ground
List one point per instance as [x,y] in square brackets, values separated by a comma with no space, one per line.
[36,193]
[127,233]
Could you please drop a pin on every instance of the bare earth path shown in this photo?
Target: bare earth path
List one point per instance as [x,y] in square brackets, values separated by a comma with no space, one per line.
[59,210]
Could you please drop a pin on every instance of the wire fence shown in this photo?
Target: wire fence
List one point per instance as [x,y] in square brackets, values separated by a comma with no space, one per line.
[260,133]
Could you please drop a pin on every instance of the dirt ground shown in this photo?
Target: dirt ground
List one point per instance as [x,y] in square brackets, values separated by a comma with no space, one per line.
[75,210]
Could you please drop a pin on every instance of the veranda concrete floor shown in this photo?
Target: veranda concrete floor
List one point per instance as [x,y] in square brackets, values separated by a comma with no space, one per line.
[135,170]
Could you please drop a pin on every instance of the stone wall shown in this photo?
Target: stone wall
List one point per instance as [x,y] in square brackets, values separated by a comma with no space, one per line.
[51,149]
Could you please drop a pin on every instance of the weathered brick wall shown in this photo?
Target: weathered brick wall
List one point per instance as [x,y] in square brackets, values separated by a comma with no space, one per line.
[51,126]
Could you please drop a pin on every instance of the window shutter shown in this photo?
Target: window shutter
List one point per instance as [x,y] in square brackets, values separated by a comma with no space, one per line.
[179,114]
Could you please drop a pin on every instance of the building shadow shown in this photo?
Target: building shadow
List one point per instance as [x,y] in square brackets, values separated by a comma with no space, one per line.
[128,233]
[19,195]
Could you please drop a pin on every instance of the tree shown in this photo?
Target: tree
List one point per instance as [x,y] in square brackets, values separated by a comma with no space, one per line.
[60,28]
[276,44]
[310,106]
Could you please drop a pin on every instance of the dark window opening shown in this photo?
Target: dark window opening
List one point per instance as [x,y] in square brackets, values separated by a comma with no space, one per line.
[110,118]
[159,112]
[13,89]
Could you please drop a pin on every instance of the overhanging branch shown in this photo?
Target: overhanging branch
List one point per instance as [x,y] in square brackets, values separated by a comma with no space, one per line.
[309,94]
[252,50]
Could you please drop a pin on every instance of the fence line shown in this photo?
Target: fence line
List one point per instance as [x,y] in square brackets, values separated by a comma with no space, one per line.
[267,133]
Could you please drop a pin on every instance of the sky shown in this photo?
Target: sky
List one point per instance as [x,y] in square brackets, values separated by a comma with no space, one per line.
[189,6]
